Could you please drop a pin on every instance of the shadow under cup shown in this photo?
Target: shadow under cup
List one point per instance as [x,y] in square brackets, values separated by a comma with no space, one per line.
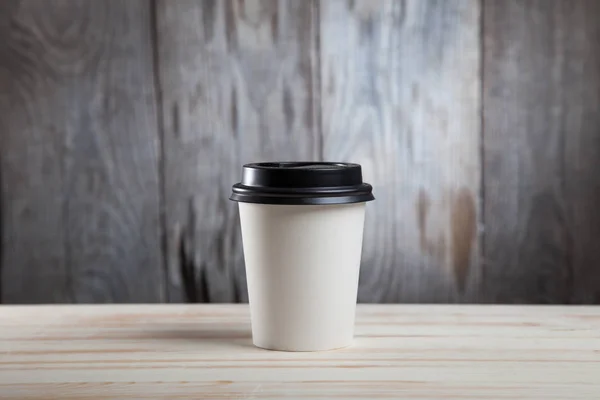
[302,229]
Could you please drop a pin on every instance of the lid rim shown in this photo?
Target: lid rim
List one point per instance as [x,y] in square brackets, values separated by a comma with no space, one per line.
[325,190]
[317,200]
[279,165]
[302,183]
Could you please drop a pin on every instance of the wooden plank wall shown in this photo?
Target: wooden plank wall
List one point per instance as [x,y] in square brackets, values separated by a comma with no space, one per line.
[401,96]
[542,151]
[79,153]
[123,125]
[238,85]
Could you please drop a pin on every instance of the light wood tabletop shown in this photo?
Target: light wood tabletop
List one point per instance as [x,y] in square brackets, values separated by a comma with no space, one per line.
[205,352]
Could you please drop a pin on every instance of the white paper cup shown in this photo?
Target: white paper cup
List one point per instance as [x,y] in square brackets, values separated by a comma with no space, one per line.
[303,260]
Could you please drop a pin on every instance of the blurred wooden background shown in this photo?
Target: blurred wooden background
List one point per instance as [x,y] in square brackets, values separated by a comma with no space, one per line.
[124,123]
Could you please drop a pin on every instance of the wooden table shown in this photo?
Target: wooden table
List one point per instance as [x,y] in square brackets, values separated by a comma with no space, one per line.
[205,351]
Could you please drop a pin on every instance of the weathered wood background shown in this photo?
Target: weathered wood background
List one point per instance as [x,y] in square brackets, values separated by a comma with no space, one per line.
[123,124]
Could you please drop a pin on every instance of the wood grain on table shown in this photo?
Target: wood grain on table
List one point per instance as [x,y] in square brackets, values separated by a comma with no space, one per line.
[205,351]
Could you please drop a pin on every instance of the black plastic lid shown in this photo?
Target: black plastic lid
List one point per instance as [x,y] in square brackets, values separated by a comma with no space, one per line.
[302,183]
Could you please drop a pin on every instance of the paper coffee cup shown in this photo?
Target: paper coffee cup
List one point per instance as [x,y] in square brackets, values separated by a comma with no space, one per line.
[302,229]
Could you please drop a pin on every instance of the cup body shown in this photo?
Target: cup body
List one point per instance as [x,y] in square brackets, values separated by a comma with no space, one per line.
[302,268]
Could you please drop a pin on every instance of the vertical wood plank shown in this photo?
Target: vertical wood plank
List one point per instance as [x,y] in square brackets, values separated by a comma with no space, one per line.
[542,151]
[79,171]
[238,85]
[401,96]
